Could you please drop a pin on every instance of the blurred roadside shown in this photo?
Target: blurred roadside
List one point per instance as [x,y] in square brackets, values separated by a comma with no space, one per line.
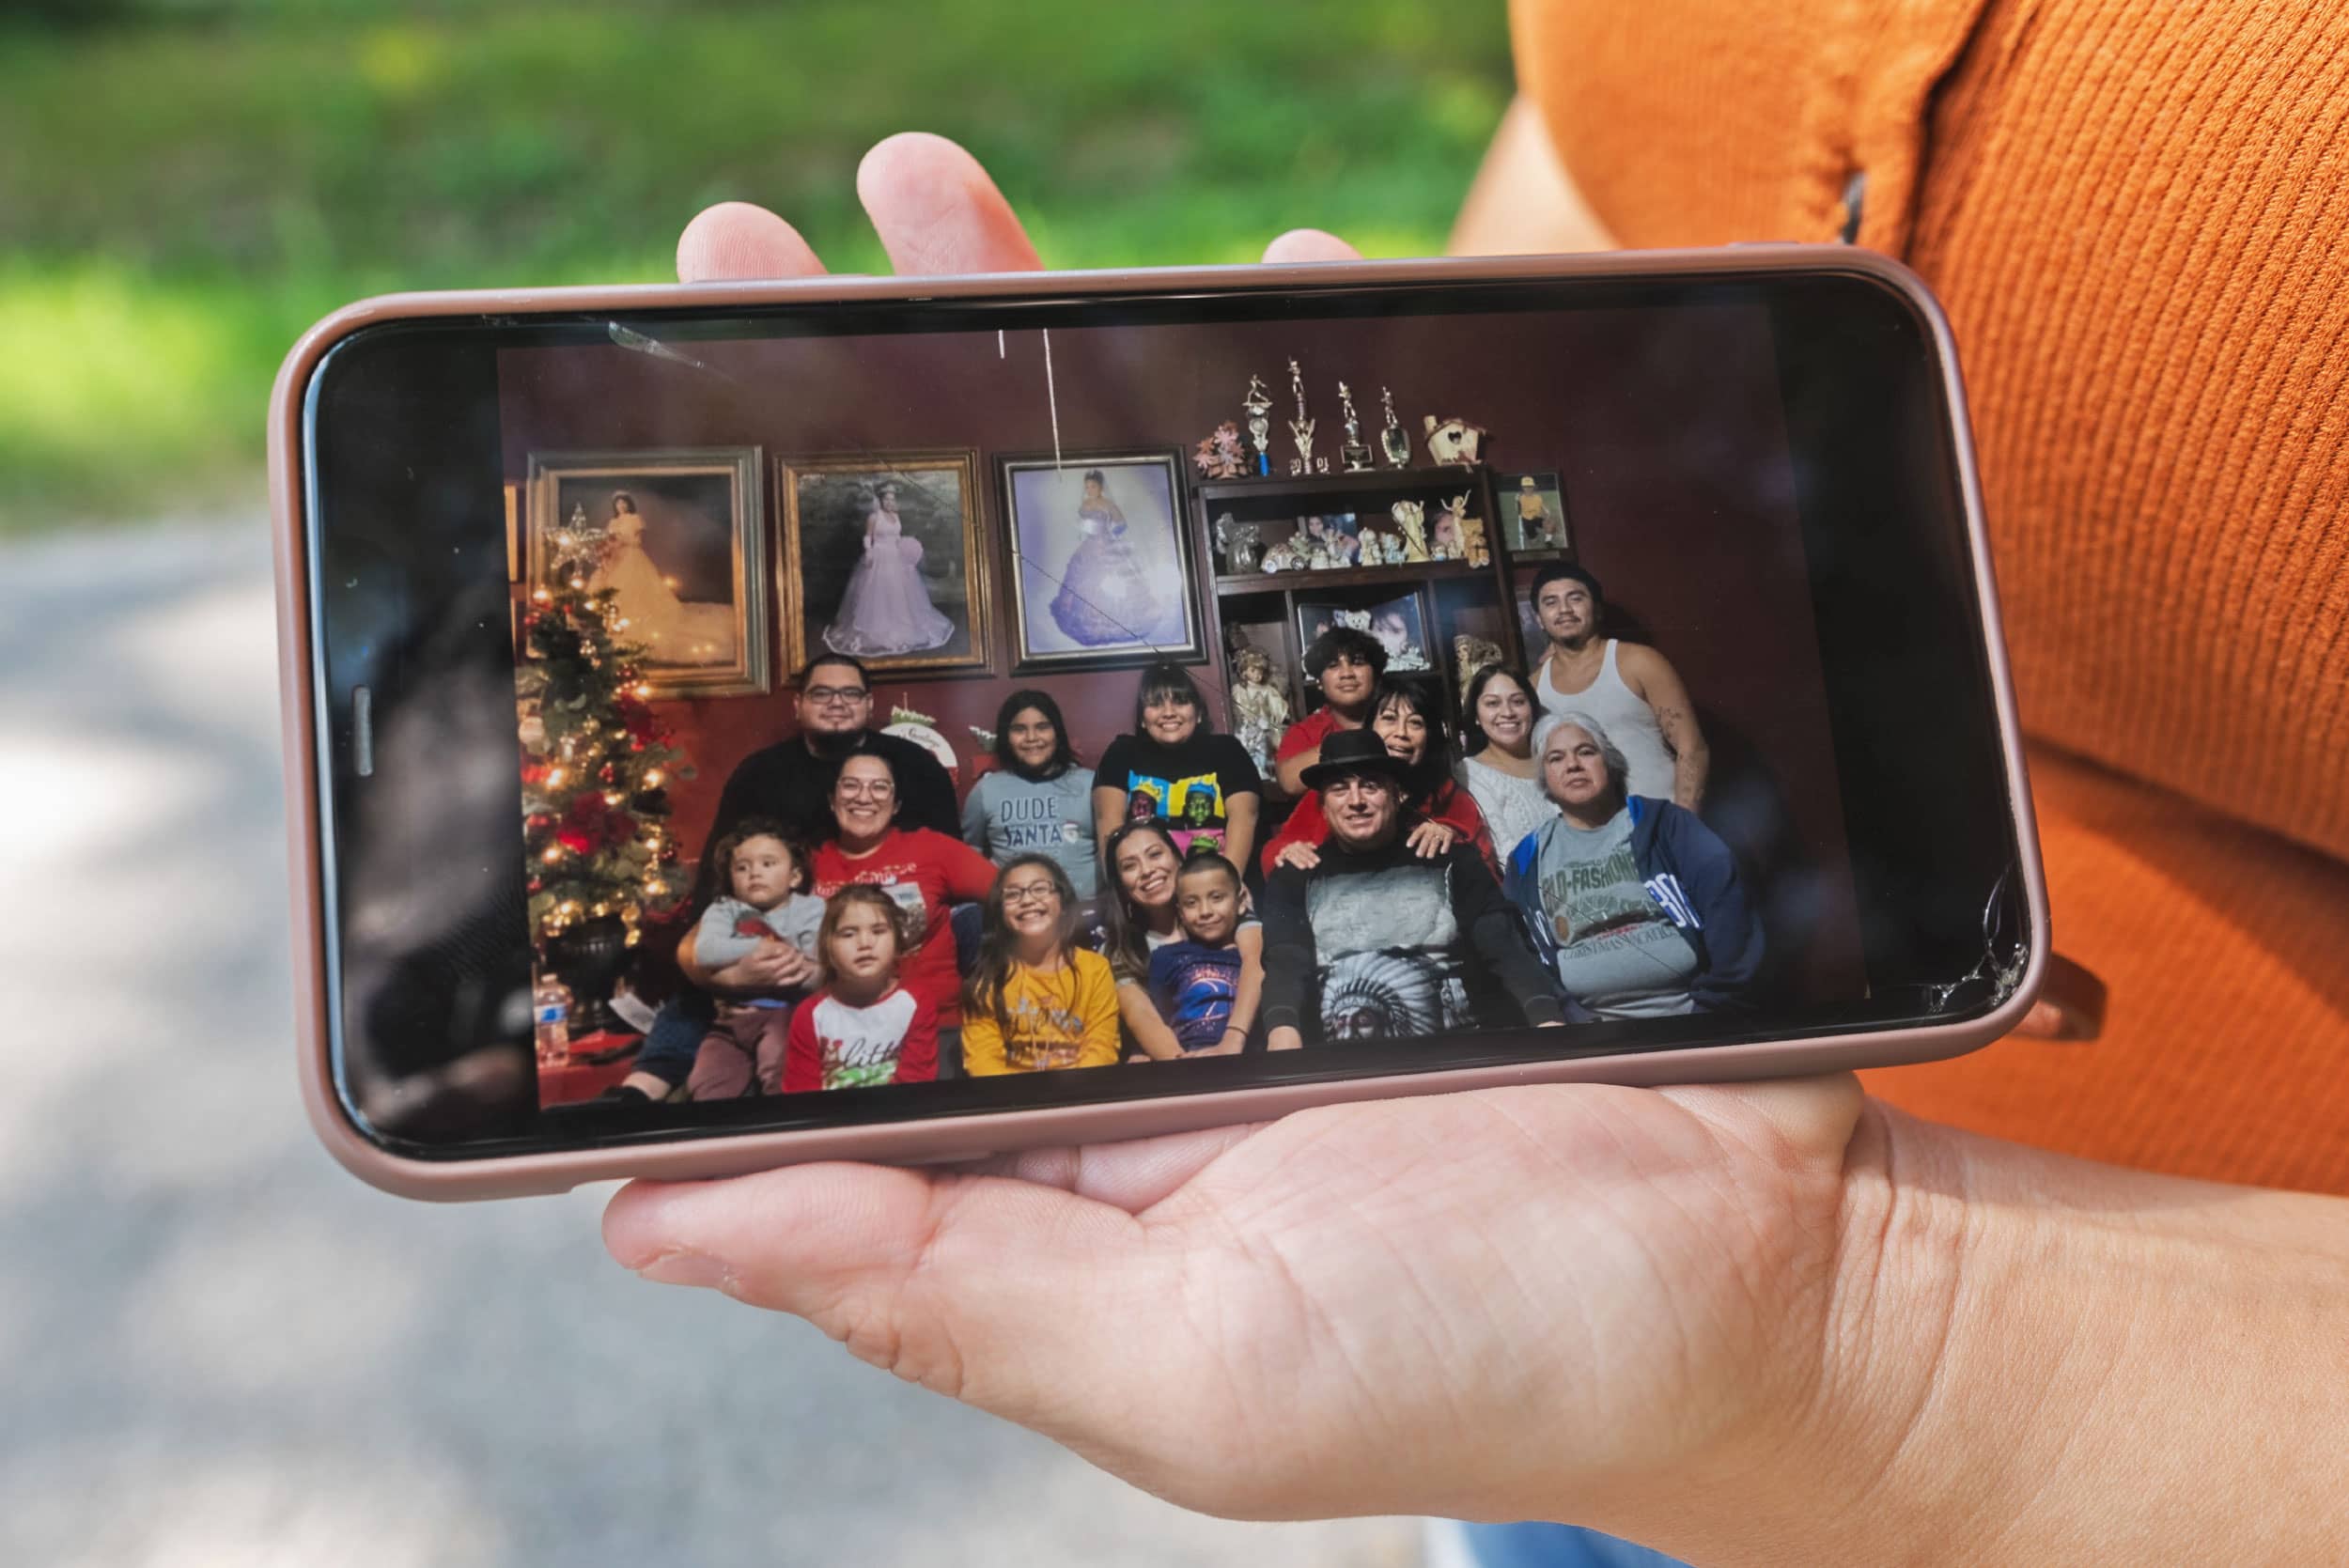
[186,184]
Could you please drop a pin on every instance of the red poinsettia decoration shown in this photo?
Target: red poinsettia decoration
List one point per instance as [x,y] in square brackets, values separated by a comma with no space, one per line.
[589,824]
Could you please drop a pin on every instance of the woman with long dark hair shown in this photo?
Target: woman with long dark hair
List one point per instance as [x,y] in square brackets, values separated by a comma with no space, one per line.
[1409,719]
[1499,718]
[1138,916]
[1038,797]
[1174,766]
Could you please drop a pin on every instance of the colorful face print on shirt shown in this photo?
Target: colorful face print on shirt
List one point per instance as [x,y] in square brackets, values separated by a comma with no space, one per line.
[858,1046]
[1195,806]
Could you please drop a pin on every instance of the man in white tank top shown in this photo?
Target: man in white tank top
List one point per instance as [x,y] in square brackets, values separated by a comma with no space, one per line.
[1627,686]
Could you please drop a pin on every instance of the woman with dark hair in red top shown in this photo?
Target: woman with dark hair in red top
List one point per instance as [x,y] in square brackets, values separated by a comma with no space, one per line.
[1409,719]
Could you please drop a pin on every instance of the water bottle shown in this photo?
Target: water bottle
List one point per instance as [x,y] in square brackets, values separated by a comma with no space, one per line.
[550,1015]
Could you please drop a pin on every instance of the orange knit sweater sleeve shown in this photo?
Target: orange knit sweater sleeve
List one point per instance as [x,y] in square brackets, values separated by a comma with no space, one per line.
[2137,217]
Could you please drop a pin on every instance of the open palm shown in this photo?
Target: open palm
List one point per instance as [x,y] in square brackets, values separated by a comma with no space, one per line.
[1441,1305]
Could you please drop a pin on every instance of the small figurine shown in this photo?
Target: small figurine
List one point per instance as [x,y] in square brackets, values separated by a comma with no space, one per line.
[1352,454]
[1281,555]
[1258,408]
[1412,516]
[1358,620]
[1301,427]
[1260,712]
[1454,440]
[1469,655]
[1239,541]
[1220,455]
[1318,557]
[1472,535]
[1393,439]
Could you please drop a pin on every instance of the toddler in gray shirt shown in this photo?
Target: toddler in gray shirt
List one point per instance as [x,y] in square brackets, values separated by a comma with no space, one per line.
[765,873]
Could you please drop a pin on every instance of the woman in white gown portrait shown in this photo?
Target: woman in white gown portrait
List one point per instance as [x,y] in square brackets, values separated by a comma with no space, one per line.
[886,608]
[674,631]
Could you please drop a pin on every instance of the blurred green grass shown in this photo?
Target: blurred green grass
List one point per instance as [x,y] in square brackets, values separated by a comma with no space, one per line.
[186,184]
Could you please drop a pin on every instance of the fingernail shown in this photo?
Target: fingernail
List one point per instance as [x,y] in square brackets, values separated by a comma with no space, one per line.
[687,1268]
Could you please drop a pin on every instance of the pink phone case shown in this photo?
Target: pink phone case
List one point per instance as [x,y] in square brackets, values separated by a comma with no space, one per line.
[968,1137]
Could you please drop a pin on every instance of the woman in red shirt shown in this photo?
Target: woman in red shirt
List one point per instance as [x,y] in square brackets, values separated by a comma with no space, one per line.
[923,870]
[1411,723]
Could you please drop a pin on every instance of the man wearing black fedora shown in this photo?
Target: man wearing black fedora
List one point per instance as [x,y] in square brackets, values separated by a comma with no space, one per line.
[1374,942]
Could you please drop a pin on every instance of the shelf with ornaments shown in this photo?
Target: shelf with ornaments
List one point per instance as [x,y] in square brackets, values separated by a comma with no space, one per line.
[1456,586]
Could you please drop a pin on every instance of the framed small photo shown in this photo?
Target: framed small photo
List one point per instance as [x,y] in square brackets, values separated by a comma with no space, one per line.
[1532,512]
[679,536]
[1101,561]
[882,559]
[1399,625]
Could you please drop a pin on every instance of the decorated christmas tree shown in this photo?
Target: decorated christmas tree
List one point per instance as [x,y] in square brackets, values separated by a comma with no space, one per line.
[597,766]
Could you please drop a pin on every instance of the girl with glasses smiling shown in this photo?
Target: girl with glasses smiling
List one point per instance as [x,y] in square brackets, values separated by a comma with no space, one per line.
[1035,999]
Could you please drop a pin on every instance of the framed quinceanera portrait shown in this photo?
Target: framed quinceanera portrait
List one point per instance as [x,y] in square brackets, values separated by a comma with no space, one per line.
[678,536]
[882,559]
[1101,561]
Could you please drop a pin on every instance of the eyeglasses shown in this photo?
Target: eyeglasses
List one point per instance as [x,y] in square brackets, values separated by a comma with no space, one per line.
[1029,893]
[825,696]
[859,789]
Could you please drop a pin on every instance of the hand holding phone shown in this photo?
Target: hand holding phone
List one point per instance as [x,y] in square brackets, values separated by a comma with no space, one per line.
[1346,1312]
[1744,426]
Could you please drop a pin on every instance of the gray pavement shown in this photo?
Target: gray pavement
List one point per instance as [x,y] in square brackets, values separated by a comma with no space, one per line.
[217,1348]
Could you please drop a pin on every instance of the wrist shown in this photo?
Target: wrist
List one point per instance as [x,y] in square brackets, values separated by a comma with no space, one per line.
[2031,1358]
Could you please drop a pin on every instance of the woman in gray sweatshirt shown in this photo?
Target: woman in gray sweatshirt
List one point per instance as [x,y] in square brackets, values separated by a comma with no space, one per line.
[1038,799]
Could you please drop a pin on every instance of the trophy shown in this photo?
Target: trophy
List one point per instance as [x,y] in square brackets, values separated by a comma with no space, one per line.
[1259,408]
[1393,439]
[1301,427]
[1353,454]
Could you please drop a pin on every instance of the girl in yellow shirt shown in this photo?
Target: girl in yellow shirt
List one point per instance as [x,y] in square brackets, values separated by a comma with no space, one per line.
[1034,1000]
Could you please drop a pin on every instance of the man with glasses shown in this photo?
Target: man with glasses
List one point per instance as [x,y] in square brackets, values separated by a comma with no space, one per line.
[791,782]
[791,779]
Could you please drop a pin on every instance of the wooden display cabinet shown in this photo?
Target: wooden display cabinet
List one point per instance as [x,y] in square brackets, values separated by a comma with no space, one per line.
[1450,596]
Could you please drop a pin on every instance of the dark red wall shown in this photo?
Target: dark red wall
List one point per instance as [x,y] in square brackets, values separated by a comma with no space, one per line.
[1665,433]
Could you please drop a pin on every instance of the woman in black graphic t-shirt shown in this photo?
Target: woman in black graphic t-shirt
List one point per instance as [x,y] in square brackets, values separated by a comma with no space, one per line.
[1176,767]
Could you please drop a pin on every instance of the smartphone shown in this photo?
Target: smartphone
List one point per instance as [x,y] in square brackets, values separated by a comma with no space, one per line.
[912,719]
